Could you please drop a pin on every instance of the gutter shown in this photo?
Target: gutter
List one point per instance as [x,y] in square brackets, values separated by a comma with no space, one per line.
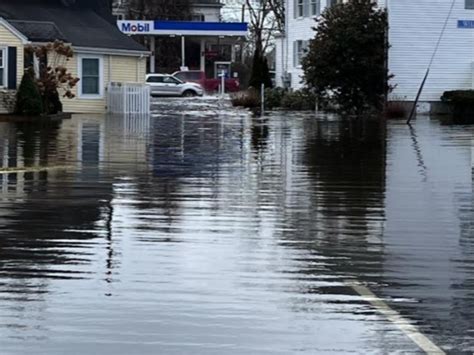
[111,51]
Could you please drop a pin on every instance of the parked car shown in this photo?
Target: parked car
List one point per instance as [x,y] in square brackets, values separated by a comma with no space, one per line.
[209,85]
[168,85]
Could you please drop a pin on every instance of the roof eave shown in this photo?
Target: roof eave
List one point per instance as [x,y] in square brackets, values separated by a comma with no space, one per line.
[13,30]
[111,51]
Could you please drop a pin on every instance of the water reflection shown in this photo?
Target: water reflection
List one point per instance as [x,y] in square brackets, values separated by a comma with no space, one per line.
[203,230]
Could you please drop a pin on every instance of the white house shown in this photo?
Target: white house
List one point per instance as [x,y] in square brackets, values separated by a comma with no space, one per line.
[414,29]
[291,46]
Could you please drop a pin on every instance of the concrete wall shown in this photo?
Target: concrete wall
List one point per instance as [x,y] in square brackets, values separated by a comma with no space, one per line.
[415,27]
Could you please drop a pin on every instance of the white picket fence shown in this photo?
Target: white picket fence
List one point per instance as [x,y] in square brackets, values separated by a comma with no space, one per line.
[128,98]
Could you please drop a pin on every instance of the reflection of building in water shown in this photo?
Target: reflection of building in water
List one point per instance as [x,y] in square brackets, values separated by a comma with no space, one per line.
[54,219]
[185,146]
[102,140]
[428,236]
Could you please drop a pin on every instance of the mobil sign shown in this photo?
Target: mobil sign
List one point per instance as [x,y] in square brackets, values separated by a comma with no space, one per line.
[136,27]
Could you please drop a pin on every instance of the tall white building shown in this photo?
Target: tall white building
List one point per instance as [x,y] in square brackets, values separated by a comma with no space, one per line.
[414,29]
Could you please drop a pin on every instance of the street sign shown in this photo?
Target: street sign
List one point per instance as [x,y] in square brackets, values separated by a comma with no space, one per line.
[466,24]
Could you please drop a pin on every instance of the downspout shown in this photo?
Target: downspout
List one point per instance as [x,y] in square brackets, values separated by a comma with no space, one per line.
[285,40]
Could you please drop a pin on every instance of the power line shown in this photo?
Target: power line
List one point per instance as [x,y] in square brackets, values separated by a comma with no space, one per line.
[431,62]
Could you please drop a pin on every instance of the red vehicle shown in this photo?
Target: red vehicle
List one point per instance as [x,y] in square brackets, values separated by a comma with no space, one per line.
[209,85]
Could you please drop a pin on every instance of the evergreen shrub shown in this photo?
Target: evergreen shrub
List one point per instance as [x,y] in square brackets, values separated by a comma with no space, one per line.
[28,99]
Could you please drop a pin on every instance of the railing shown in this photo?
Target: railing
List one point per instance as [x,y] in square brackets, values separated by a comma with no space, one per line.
[128,98]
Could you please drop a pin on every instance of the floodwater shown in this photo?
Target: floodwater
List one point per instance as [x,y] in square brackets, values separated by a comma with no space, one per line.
[202,230]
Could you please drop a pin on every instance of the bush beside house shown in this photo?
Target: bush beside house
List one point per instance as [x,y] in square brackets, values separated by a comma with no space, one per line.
[461,103]
[28,99]
[277,98]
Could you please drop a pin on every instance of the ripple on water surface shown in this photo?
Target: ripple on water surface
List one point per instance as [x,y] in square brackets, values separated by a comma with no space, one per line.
[203,230]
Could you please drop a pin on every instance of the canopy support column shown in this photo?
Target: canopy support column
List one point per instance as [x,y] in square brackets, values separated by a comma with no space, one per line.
[183,51]
[153,54]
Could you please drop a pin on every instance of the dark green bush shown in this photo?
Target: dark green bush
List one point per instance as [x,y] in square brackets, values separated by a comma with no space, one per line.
[260,72]
[28,99]
[464,97]
[346,60]
[274,97]
[299,100]
[461,103]
[243,72]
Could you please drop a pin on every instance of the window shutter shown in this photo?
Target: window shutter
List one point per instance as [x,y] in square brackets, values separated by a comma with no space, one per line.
[12,68]
[306,8]
[295,54]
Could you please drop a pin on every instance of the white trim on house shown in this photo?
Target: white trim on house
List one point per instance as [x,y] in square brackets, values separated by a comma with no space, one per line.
[111,51]
[100,95]
[4,66]
[13,30]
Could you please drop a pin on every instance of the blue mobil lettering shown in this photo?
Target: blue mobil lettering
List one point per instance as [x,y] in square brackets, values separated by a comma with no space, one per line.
[138,27]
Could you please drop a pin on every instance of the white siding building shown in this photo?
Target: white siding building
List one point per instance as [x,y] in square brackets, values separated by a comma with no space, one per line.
[415,27]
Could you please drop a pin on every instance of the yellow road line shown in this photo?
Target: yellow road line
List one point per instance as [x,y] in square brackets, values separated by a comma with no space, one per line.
[33,169]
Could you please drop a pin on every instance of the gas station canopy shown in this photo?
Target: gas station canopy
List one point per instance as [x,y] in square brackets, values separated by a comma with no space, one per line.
[183,28]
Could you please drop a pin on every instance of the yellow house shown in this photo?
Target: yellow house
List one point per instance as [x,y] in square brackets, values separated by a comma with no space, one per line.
[102,54]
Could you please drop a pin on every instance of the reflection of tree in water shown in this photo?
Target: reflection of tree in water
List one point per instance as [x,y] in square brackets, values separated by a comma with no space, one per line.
[38,141]
[259,132]
[345,161]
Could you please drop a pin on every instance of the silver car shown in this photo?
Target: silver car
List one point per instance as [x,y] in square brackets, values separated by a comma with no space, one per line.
[168,85]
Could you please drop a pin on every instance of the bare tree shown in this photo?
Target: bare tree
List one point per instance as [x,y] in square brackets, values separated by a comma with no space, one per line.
[278,9]
[159,9]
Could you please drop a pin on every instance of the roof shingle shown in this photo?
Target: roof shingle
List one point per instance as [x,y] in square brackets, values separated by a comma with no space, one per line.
[81,27]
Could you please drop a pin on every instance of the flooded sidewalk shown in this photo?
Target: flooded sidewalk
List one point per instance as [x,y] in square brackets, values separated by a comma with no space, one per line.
[203,230]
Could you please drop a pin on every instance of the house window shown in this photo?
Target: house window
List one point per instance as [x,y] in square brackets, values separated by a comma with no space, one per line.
[469,4]
[315,7]
[300,49]
[198,18]
[92,78]
[3,67]
[299,8]
[334,2]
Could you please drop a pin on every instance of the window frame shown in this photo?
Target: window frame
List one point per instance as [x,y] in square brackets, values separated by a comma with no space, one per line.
[299,52]
[316,3]
[100,59]
[148,81]
[299,8]
[4,66]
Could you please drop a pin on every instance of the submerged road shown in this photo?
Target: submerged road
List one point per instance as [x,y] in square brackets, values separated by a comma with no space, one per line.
[202,230]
